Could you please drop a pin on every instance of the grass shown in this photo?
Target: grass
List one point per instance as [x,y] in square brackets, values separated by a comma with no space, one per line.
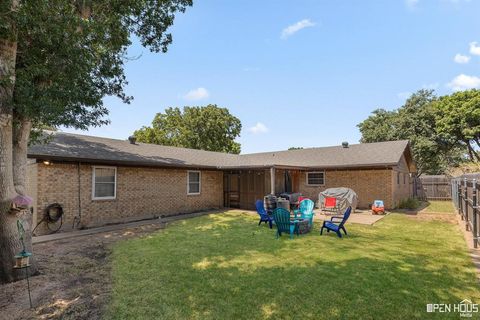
[439,207]
[224,266]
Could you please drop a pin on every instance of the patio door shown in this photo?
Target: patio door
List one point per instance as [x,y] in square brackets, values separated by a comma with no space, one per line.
[252,188]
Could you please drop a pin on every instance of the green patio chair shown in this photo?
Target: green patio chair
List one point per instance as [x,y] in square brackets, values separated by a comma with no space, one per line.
[305,211]
[284,223]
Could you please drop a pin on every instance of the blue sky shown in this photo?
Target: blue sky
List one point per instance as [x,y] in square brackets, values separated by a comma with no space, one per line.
[302,73]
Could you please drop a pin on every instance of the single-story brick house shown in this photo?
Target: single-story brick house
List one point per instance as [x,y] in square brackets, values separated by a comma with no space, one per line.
[99,180]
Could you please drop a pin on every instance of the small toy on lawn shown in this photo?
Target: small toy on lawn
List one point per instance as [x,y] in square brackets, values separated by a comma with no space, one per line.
[378,207]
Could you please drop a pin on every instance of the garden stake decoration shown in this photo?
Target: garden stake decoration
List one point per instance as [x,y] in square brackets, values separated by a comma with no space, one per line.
[22,259]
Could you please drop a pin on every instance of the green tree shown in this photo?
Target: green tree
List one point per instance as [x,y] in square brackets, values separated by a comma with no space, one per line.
[206,128]
[458,117]
[58,59]
[380,126]
[414,121]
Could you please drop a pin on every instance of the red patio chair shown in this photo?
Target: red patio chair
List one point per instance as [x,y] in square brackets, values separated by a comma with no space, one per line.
[330,203]
[300,199]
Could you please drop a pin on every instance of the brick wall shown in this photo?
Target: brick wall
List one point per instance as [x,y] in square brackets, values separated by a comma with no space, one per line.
[369,184]
[401,182]
[141,193]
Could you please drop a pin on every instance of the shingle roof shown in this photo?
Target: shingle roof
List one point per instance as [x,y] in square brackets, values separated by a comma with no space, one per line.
[356,155]
[74,147]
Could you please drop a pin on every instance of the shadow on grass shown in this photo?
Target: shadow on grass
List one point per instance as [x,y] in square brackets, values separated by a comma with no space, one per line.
[225,267]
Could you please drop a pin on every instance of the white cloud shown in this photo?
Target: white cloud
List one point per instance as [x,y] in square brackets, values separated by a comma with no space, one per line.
[411,3]
[464,82]
[460,58]
[258,128]
[291,29]
[197,94]
[474,48]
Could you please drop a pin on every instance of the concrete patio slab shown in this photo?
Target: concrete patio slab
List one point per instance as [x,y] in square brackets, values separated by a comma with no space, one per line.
[360,217]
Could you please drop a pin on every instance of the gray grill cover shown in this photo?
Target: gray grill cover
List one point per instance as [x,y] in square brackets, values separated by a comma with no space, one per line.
[345,197]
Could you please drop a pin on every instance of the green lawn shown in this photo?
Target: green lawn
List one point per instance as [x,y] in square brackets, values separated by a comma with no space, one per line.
[439,207]
[223,266]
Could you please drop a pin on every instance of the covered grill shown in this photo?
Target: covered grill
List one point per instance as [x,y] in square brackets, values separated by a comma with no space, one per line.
[292,197]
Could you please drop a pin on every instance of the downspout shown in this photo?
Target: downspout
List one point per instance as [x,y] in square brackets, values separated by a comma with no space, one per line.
[78,218]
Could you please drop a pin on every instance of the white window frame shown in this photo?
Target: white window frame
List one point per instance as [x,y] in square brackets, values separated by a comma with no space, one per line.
[114,186]
[309,172]
[199,182]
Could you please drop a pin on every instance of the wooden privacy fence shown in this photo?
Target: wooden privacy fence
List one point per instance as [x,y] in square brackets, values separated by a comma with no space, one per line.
[434,187]
[465,198]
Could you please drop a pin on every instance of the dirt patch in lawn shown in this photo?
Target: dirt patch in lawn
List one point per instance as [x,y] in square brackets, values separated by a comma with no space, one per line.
[74,280]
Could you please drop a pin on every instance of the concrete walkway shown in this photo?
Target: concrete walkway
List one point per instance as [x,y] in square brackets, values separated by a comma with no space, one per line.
[360,216]
[114,227]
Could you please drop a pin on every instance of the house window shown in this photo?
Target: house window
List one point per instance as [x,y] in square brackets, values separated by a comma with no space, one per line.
[316,178]
[193,182]
[104,183]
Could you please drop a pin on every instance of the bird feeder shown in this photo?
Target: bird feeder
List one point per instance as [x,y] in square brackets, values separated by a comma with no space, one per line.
[22,259]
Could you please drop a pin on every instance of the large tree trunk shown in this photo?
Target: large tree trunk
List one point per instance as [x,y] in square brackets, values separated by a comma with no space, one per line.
[9,238]
[472,153]
[8,229]
[21,134]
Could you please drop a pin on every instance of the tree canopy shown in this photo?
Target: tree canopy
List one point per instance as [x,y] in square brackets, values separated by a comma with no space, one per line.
[58,60]
[415,121]
[458,117]
[71,54]
[207,128]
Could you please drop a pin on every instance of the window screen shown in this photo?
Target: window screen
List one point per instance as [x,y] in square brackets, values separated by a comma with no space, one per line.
[193,182]
[104,182]
[316,178]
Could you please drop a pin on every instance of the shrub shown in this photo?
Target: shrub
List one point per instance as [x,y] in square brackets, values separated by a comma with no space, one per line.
[410,203]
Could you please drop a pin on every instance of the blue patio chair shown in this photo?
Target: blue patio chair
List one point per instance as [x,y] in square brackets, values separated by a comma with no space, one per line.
[264,217]
[305,210]
[284,223]
[332,226]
